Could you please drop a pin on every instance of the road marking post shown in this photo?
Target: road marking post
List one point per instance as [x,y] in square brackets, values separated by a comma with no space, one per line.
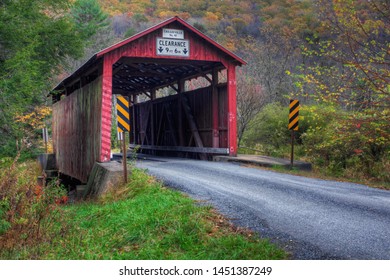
[123,118]
[293,119]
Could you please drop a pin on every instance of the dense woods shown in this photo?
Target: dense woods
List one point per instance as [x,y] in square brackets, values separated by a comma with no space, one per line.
[331,55]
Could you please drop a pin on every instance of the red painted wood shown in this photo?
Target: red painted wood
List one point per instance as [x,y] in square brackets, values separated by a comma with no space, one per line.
[148,46]
[201,47]
[105,147]
[215,110]
[232,110]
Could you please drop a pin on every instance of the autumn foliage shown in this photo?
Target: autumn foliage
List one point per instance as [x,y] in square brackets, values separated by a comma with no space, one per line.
[332,55]
[31,125]
[27,210]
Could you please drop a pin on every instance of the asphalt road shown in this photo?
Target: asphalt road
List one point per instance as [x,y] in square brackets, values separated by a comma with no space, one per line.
[311,218]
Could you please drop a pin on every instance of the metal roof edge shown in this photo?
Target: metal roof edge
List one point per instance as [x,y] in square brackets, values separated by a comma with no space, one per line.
[91,60]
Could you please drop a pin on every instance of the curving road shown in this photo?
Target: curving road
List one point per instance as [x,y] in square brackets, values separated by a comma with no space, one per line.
[311,218]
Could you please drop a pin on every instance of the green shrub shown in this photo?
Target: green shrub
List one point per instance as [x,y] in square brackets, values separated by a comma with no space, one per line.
[339,142]
[268,130]
[7,148]
[4,224]
[357,143]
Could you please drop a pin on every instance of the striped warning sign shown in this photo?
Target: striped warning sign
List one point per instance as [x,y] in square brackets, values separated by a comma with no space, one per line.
[122,112]
[293,117]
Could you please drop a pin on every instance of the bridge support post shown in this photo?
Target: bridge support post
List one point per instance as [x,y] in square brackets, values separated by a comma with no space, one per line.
[215,109]
[232,109]
[105,144]
[152,124]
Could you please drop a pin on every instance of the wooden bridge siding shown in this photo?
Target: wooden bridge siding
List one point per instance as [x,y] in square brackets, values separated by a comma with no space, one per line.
[223,116]
[200,102]
[77,129]
[170,133]
[145,47]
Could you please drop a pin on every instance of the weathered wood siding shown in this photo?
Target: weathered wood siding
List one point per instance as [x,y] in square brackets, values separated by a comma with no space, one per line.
[161,128]
[223,120]
[77,130]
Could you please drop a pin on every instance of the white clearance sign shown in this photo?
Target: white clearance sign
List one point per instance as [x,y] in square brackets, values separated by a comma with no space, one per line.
[173,47]
[173,33]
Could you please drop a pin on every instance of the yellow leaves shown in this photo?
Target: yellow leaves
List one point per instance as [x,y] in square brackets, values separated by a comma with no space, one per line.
[230,45]
[211,17]
[35,119]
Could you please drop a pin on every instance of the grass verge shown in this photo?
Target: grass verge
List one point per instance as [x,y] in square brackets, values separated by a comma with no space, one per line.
[141,221]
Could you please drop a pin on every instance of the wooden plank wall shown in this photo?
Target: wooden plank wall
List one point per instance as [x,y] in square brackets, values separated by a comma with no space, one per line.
[165,134]
[223,115]
[77,130]
[200,102]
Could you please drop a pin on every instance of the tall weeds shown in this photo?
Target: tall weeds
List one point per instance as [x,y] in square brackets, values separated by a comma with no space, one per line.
[29,214]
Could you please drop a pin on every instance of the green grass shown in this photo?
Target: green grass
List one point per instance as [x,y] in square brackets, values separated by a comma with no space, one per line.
[144,220]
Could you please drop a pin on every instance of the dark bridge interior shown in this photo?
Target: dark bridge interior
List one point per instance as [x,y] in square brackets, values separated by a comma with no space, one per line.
[180,124]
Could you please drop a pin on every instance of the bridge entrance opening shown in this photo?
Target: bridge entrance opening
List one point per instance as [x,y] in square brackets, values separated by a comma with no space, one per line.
[178,108]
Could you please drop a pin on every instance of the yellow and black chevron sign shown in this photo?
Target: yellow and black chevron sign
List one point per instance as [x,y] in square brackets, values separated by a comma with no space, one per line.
[122,112]
[293,117]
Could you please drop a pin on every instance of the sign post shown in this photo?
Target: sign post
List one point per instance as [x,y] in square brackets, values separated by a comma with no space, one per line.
[293,119]
[123,118]
[124,156]
[292,149]
[45,137]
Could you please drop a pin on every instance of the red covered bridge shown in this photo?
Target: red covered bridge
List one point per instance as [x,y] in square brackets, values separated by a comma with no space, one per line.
[182,89]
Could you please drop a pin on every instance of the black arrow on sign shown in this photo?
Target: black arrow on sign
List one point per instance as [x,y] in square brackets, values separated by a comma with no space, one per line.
[160,49]
[185,51]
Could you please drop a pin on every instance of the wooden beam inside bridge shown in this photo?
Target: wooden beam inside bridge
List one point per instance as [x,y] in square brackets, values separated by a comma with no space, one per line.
[200,150]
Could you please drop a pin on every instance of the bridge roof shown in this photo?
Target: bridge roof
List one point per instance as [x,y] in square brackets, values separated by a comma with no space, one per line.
[234,57]
[139,67]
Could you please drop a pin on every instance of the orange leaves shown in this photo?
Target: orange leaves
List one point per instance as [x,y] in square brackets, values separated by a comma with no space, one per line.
[38,191]
[211,17]
[358,151]
[62,200]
